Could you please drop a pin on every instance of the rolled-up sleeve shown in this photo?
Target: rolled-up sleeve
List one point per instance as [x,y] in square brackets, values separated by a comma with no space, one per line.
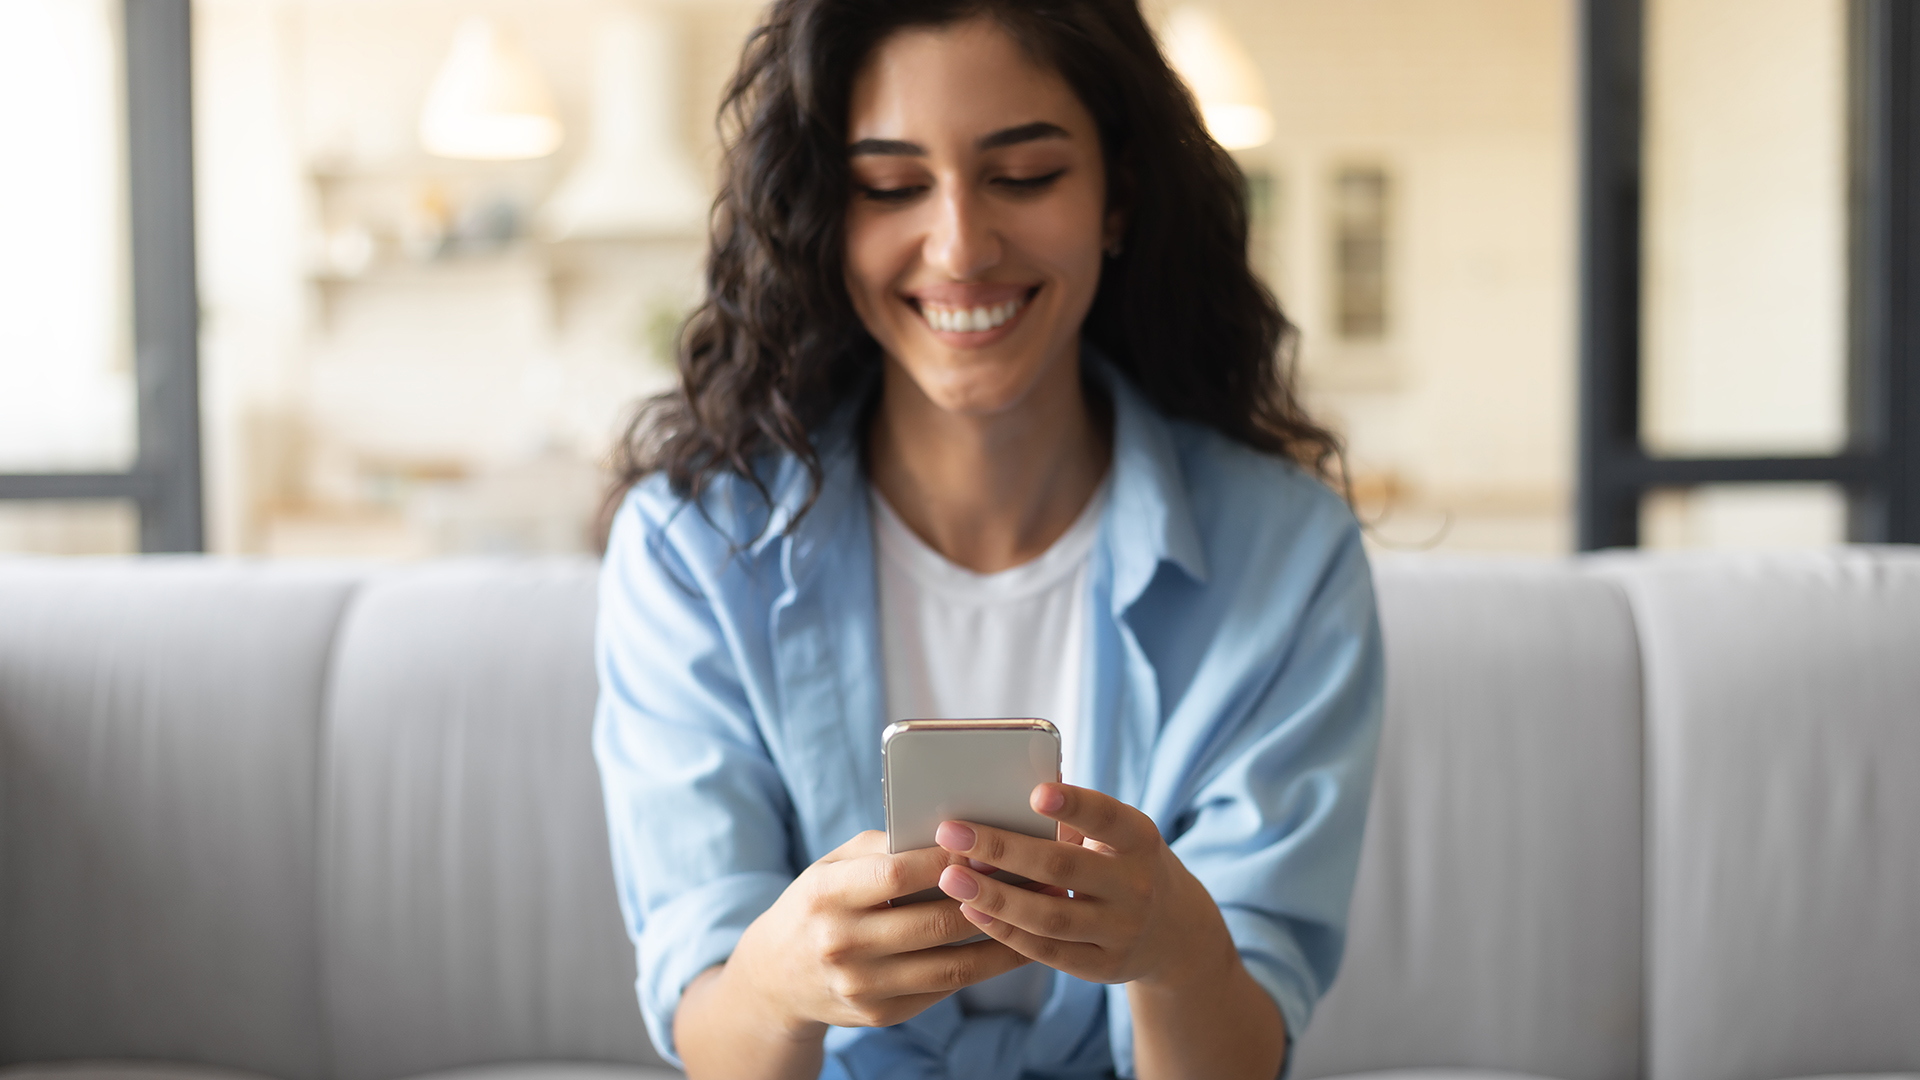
[1272,816]
[697,813]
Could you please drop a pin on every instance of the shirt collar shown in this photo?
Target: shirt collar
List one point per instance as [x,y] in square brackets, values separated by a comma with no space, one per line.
[1149,518]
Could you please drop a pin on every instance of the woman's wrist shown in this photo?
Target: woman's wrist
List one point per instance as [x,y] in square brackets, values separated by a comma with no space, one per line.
[1206,1015]
[1206,962]
[1205,953]
[761,995]
[727,1029]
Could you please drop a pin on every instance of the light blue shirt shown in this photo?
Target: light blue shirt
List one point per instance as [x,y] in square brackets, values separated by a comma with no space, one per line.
[1232,693]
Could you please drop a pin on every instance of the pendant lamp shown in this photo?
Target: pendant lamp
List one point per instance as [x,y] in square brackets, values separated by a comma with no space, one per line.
[488,101]
[1223,78]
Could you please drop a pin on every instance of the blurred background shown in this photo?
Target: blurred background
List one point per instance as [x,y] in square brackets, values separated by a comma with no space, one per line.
[441,248]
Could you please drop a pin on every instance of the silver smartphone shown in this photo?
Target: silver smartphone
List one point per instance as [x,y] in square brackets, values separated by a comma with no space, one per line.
[983,771]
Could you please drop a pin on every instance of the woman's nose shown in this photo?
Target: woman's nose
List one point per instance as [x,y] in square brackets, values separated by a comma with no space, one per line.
[962,243]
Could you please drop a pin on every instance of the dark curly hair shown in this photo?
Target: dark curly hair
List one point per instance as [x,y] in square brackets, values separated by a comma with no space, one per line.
[776,347]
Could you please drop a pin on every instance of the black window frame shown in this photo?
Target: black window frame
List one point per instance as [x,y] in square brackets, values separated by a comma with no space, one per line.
[1880,467]
[164,482]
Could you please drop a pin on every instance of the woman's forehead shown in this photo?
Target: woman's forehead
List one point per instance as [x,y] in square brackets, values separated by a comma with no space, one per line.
[968,81]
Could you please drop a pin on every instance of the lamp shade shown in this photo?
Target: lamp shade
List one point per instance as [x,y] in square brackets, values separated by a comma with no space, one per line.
[1233,100]
[488,101]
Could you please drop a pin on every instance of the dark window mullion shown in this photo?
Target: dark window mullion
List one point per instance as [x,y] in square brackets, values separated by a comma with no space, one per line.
[60,486]
[1611,88]
[165,297]
[1884,395]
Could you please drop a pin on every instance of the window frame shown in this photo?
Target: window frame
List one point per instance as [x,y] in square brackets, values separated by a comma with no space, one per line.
[1880,467]
[165,480]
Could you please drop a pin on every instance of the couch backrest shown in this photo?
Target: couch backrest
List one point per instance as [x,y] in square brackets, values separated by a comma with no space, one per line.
[159,726]
[319,823]
[468,911]
[1496,921]
[1783,748]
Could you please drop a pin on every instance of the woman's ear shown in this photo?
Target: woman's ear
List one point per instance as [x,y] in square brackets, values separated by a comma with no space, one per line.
[1112,232]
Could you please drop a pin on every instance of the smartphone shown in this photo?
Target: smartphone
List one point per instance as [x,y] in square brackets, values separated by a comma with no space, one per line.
[983,771]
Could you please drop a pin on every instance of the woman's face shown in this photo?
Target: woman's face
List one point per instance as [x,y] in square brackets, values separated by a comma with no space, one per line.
[978,215]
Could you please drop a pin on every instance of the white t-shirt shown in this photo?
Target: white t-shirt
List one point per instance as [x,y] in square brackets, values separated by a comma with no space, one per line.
[1013,643]
[961,644]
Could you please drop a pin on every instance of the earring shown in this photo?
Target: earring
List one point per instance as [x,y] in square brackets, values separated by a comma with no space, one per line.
[1113,248]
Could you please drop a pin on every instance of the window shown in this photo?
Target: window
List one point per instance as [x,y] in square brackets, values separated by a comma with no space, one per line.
[1755,359]
[99,390]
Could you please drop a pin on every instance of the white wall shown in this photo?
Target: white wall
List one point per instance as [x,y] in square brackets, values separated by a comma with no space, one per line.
[1466,410]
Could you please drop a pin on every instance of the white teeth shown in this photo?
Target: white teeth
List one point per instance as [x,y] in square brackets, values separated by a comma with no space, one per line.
[969,320]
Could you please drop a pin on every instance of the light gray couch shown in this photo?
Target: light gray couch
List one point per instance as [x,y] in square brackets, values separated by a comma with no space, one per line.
[1635,817]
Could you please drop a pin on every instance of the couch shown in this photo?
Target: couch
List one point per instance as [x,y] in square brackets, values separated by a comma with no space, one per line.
[1636,817]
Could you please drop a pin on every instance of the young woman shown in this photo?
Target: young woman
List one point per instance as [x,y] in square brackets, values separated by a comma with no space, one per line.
[984,416]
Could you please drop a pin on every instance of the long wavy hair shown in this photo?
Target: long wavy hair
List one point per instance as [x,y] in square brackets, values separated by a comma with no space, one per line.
[776,348]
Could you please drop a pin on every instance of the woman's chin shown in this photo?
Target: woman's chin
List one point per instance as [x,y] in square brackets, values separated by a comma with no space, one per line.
[975,392]
[975,383]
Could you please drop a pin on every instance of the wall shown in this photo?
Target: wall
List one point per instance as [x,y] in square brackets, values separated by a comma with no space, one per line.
[1460,422]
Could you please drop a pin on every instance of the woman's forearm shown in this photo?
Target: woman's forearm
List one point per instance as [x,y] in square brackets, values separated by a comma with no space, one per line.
[722,1032]
[1214,1022]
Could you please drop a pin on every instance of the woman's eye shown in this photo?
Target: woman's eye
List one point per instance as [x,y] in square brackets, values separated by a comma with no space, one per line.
[1029,183]
[890,195]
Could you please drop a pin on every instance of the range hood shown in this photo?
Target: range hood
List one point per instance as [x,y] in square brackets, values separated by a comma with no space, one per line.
[635,178]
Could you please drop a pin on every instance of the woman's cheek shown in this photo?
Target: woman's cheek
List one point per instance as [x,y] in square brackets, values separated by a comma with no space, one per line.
[870,272]
[1070,239]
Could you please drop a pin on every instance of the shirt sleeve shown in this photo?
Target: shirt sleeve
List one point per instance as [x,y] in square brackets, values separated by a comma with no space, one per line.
[1273,822]
[697,814]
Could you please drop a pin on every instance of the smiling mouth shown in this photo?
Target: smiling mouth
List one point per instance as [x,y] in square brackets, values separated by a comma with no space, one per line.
[953,319]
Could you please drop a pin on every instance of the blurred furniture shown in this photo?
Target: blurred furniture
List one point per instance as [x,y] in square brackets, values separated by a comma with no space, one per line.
[1636,817]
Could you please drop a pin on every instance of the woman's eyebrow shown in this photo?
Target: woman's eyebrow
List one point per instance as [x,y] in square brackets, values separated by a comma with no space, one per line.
[1039,129]
[886,148]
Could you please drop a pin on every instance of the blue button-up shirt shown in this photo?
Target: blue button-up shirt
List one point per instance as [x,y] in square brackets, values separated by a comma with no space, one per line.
[1231,692]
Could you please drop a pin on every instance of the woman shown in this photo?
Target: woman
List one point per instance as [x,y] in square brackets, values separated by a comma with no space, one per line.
[983,416]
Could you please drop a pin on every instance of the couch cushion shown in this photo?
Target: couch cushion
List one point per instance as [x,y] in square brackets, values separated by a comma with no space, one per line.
[158,729]
[1783,698]
[1863,1077]
[1496,919]
[121,1070]
[468,908]
[538,1070]
[1440,1074]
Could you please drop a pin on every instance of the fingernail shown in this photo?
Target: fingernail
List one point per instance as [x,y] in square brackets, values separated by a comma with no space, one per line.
[979,917]
[983,867]
[953,836]
[958,884]
[1049,799]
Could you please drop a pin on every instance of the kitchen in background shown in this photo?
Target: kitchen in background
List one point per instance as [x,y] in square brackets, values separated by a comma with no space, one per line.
[444,246]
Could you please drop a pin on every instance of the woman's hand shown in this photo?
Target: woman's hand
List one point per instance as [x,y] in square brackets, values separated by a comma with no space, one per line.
[1136,913]
[830,951]
[1136,916]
